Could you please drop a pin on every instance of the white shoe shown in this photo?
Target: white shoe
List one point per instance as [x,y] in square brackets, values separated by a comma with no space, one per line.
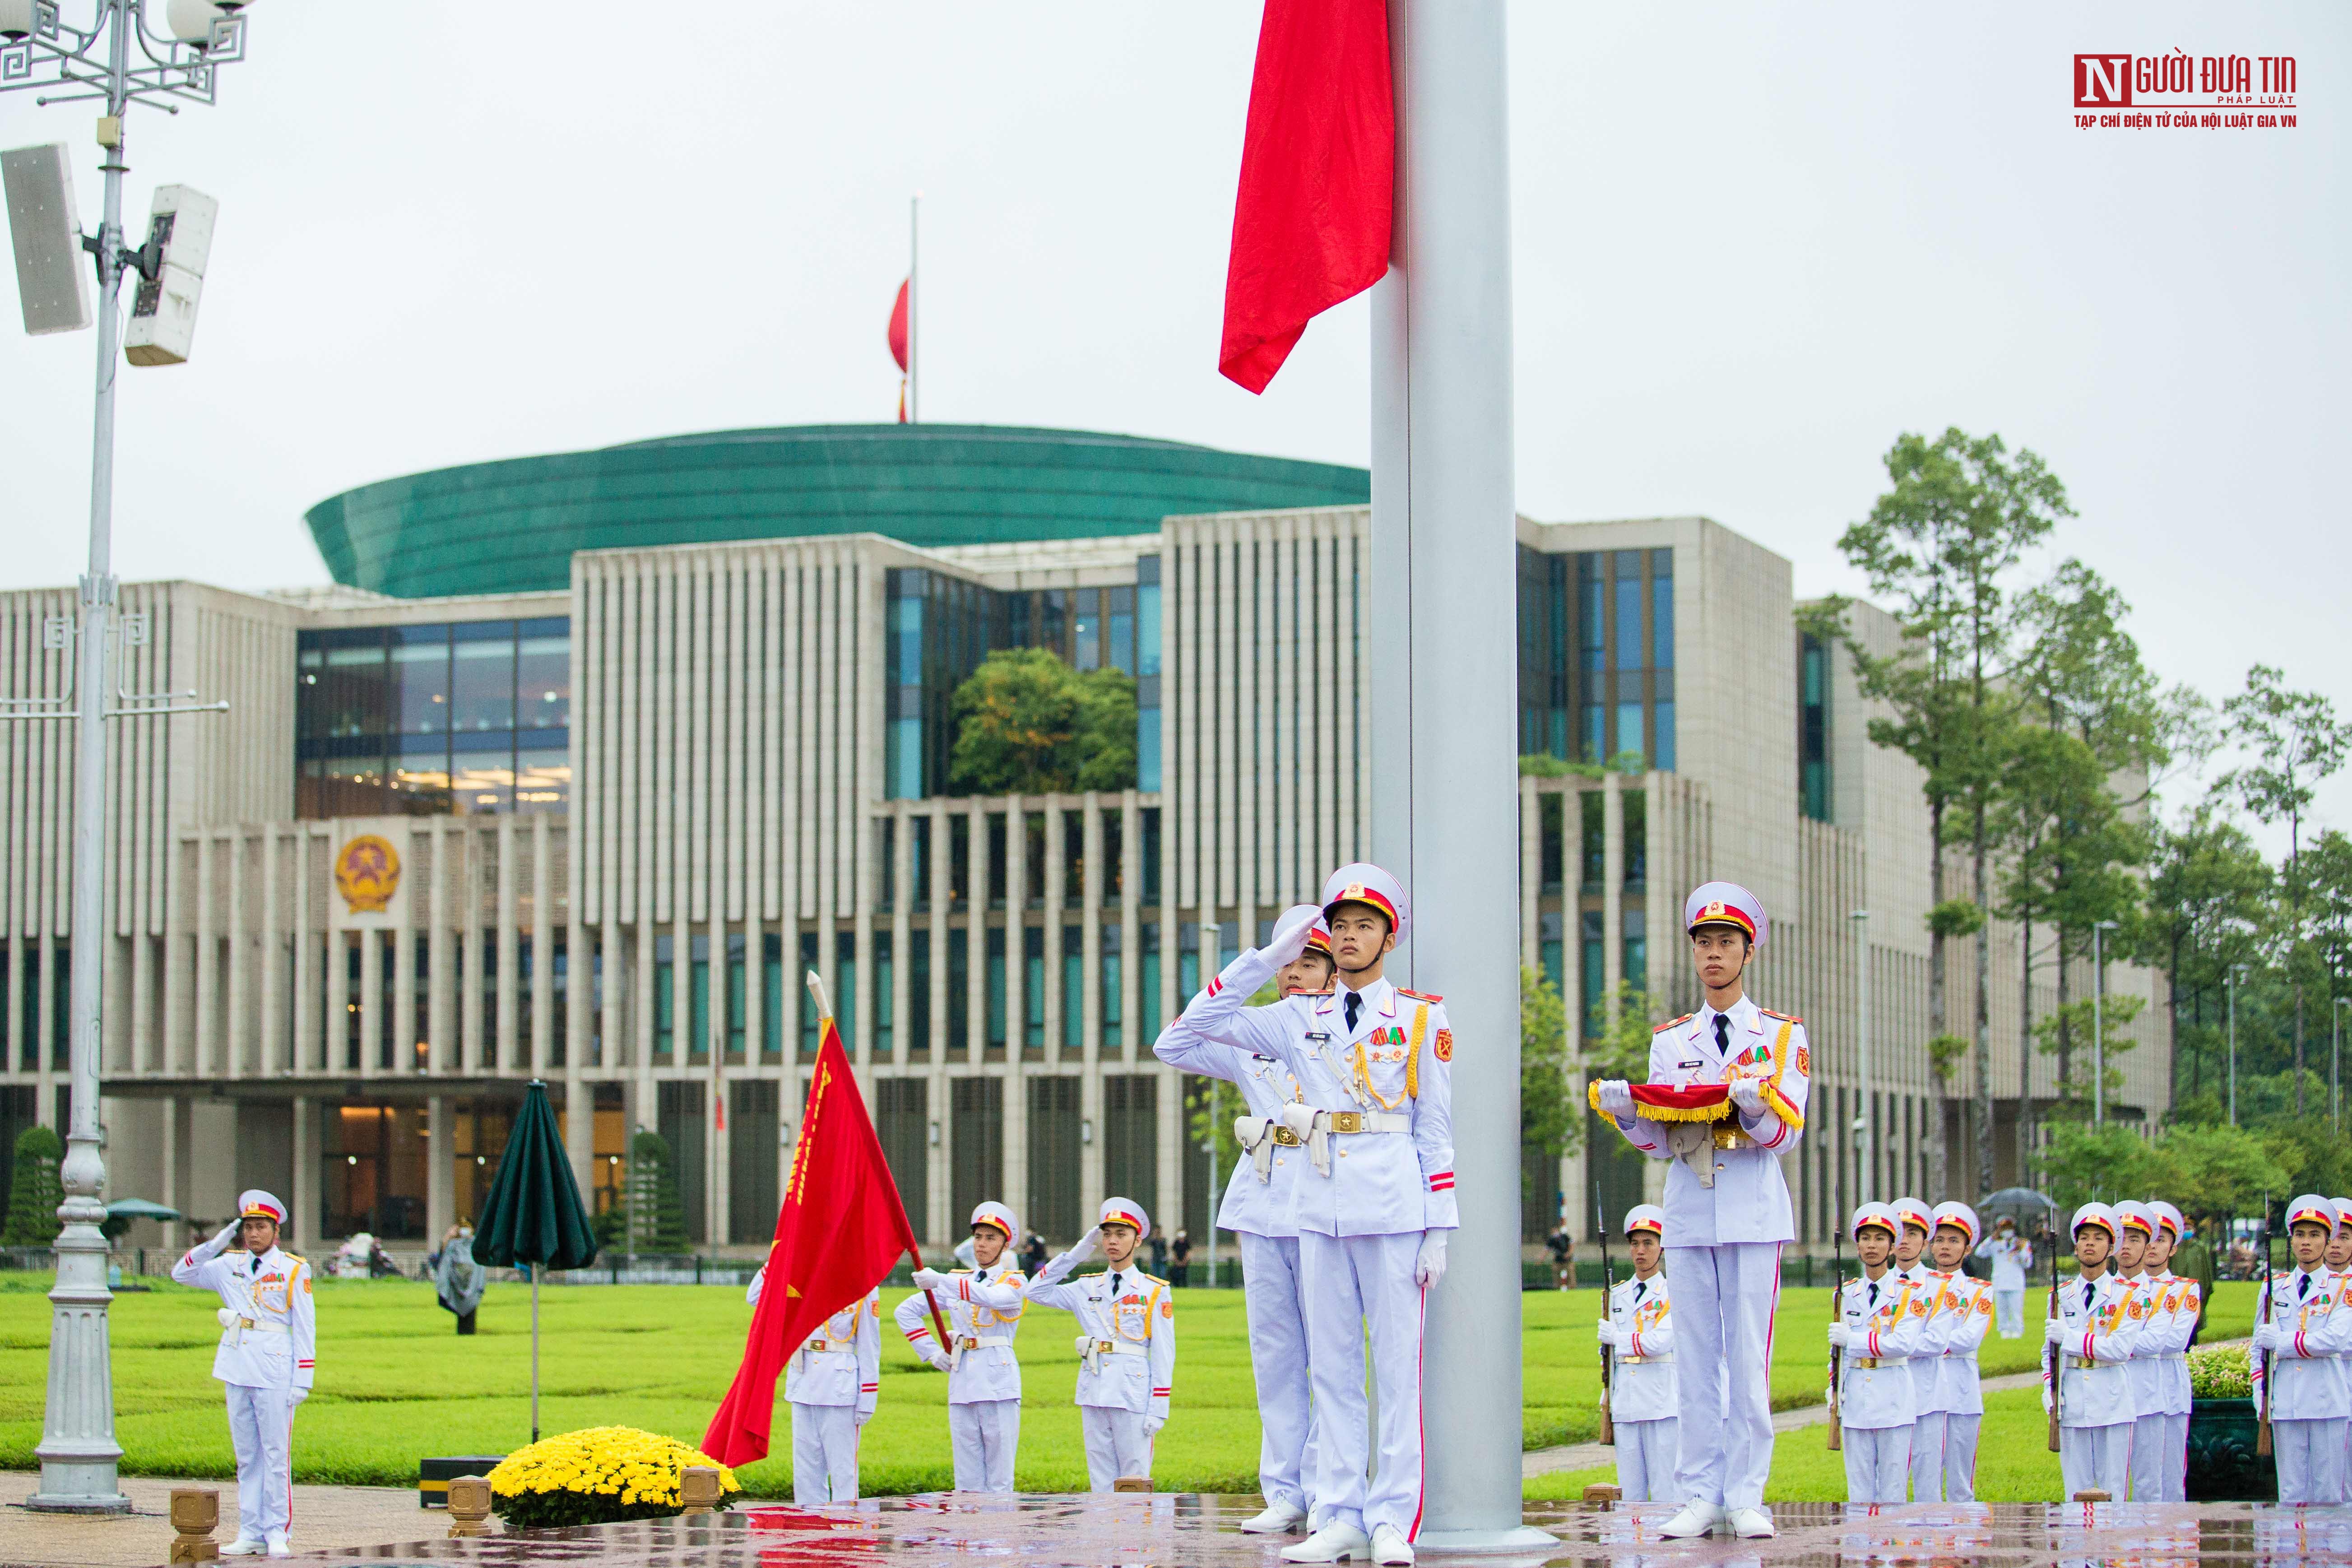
[244,1546]
[1329,1544]
[278,1547]
[1390,1549]
[1279,1518]
[1697,1519]
[1752,1524]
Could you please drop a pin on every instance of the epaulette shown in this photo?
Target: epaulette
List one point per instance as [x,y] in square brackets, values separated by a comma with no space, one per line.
[297,1258]
[1419,995]
[1784,1017]
[1672,1022]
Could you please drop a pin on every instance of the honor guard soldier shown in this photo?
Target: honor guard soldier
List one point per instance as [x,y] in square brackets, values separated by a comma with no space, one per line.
[1881,1326]
[982,1309]
[2135,1222]
[2301,1336]
[1373,1205]
[1640,1334]
[2099,1319]
[1958,1317]
[1258,1209]
[266,1357]
[2339,1260]
[2173,1304]
[2012,1259]
[832,1384]
[1914,1223]
[1127,1344]
[1728,1212]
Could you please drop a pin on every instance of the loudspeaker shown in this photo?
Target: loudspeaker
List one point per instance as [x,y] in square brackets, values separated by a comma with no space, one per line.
[52,283]
[163,313]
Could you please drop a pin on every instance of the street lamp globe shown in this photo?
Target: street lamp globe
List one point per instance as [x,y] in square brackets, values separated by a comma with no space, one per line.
[191,21]
[15,19]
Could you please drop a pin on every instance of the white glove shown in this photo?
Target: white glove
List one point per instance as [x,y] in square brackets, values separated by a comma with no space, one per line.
[929,1279]
[939,1360]
[863,1415]
[1428,1268]
[2267,1337]
[1085,1246]
[226,1234]
[1289,939]
[300,1394]
[2047,1405]
[1748,1095]
[1839,1336]
[1606,1332]
[1616,1097]
[1151,1429]
[2053,1329]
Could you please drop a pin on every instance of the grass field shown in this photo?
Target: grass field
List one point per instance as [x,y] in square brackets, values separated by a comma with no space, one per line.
[396,1385]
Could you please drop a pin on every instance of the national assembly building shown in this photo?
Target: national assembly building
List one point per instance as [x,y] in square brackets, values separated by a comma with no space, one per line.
[584,760]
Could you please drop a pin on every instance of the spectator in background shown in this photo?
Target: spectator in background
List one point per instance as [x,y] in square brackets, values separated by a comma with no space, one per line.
[458,1281]
[1179,1260]
[1158,1244]
[1033,1254]
[1563,1257]
[2193,1259]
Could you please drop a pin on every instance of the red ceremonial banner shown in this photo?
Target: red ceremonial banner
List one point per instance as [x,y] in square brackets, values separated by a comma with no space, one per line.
[1664,1102]
[841,1229]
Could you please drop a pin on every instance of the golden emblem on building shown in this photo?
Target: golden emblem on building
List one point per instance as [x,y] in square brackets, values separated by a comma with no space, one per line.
[367,873]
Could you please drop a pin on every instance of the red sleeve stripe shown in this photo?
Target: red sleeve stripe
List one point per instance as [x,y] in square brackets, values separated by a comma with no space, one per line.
[1216,983]
[918,1333]
[1776,1137]
[1162,1393]
[303,1363]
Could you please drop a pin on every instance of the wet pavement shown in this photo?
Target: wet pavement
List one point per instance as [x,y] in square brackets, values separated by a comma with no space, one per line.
[1192,1531]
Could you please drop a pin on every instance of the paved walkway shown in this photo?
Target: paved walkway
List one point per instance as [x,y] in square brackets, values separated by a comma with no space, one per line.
[325,1519]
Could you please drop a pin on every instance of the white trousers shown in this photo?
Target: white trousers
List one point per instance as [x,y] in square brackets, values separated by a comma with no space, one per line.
[1927,1457]
[1115,1446]
[2176,1458]
[2009,1313]
[824,1453]
[1960,1457]
[1724,1300]
[2095,1457]
[1277,1339]
[2151,1453]
[2310,1455]
[1363,1289]
[986,1434]
[1877,1460]
[1645,1460]
[261,1427]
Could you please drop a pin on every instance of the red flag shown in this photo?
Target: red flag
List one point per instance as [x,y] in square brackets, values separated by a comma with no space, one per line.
[1318,178]
[841,1229]
[898,328]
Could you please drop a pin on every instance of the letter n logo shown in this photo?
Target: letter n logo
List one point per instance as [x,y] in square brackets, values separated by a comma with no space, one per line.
[2103,81]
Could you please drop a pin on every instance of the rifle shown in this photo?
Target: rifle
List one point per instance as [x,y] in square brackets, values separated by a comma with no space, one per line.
[2262,1431]
[1608,1297]
[1837,1314]
[2050,1357]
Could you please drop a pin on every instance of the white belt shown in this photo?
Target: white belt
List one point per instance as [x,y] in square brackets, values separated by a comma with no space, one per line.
[973,1341]
[236,1326]
[1871,1362]
[1322,1126]
[1643,1360]
[1091,1350]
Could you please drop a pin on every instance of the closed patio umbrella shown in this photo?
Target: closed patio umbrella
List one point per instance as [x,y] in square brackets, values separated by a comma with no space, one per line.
[533,1217]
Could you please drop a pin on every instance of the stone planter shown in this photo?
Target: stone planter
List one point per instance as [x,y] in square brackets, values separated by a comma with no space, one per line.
[2221,1463]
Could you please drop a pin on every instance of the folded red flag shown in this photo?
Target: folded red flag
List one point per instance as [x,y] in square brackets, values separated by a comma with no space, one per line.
[841,1229]
[1664,1102]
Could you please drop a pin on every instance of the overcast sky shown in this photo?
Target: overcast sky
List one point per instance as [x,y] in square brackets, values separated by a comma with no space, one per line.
[1751,245]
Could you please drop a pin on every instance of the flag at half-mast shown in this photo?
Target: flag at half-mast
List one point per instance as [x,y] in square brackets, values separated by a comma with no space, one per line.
[898,344]
[840,1231]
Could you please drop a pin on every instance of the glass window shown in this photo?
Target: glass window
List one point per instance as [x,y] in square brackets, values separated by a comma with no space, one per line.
[698,1043]
[904,766]
[959,987]
[420,673]
[1146,749]
[481,773]
[1592,626]
[543,781]
[996,989]
[1629,729]
[1188,973]
[1150,855]
[844,983]
[665,998]
[738,1017]
[1147,623]
[808,1002]
[1661,610]
[1033,987]
[1147,980]
[1635,805]
[1118,618]
[482,687]
[1629,621]
[1074,988]
[918,995]
[1111,1014]
[1595,733]
[544,681]
[1595,981]
[1086,629]
[774,991]
[1590,829]
[1662,714]
[1636,956]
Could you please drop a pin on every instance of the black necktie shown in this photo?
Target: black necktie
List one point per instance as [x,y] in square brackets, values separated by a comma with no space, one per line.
[2301,1286]
[1639,1286]
[2089,1289]
[1347,1005]
[1874,1293]
[1114,1285]
[1723,1033]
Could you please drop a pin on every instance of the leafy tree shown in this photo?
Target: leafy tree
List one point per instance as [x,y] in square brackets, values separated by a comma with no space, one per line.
[2082,1163]
[1026,723]
[2055,1032]
[2219,1169]
[1551,1117]
[35,1190]
[2297,743]
[657,1200]
[1942,544]
[1619,1046]
[2209,893]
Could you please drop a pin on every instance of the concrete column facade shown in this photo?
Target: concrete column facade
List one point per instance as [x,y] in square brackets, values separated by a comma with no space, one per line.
[440,1176]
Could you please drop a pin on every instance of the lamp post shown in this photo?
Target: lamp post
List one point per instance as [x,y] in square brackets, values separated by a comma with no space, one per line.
[2099,1023]
[1865,1151]
[2237,973]
[117,61]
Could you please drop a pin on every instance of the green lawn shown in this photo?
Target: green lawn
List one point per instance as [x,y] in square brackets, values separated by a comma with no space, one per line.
[396,1385]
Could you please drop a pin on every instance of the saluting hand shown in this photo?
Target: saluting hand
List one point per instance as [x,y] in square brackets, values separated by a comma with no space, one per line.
[929,1279]
[1289,939]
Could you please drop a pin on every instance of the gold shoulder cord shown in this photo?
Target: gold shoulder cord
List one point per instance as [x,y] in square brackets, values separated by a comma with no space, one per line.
[1413,1062]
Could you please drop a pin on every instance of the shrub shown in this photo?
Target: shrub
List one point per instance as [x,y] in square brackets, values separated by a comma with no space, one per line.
[595,1475]
[2221,1371]
[35,1190]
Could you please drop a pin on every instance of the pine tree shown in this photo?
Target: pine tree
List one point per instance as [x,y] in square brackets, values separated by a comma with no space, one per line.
[656,1207]
[35,1190]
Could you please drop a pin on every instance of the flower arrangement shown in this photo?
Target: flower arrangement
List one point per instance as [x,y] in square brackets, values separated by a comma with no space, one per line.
[2221,1371]
[595,1475]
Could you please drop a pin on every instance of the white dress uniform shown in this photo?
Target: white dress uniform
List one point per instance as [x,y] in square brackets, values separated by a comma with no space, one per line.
[1927,1431]
[2186,1298]
[2306,1336]
[2159,1379]
[2098,1324]
[982,1309]
[832,1382]
[1260,1209]
[1378,1128]
[1725,1254]
[2012,1260]
[268,1348]
[1641,1399]
[1959,1314]
[1127,1354]
[1878,1401]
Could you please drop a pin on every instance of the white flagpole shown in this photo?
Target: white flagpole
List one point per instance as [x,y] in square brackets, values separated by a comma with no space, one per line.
[1444,799]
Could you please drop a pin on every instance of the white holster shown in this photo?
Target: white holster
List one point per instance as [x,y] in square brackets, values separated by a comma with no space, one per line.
[1692,1144]
[1256,1136]
[231,1320]
[1302,1120]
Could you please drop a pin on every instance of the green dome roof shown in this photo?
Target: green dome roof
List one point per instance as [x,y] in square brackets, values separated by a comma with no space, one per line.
[514,526]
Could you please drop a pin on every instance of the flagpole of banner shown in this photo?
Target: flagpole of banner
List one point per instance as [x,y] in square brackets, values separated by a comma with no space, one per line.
[1443,674]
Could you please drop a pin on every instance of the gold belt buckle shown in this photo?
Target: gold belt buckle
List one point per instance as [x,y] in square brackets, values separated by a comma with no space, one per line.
[1347,1120]
[2082,1362]
[1867,1363]
[1106,1346]
[1733,1138]
[1285,1138]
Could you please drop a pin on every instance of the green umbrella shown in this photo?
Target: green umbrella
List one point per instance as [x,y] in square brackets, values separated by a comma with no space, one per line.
[533,1216]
